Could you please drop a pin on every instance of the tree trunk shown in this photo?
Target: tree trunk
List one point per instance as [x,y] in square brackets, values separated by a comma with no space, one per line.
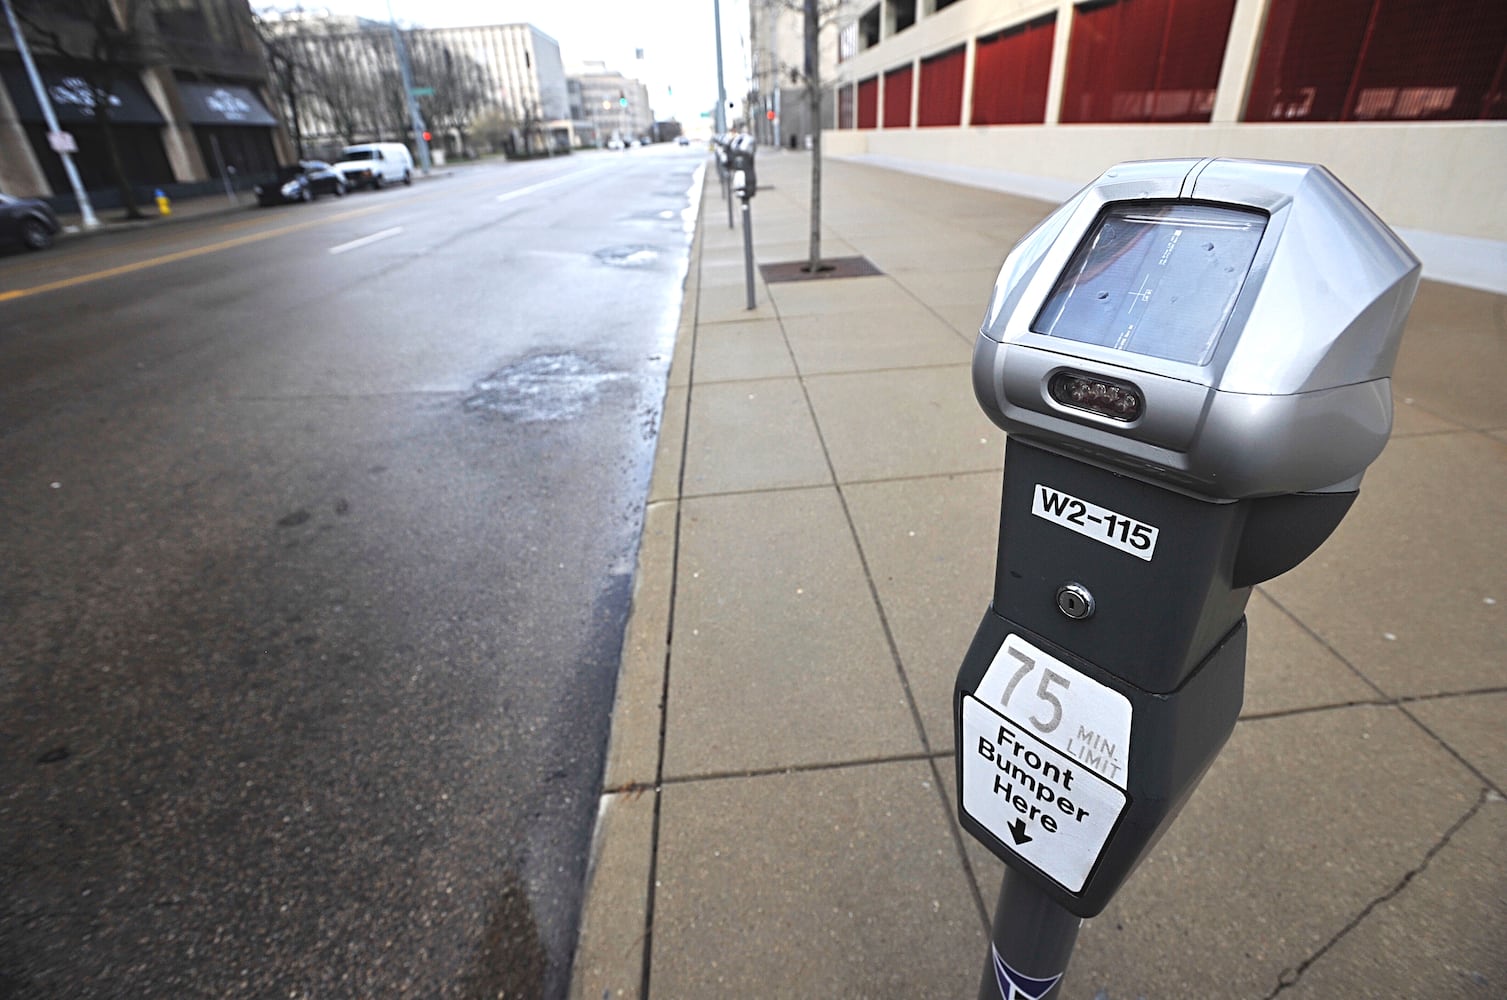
[814,121]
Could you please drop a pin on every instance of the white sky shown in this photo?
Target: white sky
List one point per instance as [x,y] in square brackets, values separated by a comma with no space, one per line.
[680,60]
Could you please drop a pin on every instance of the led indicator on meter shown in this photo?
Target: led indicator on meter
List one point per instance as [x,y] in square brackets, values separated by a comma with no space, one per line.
[1108,399]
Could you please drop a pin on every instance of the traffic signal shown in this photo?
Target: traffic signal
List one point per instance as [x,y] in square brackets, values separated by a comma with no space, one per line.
[769,115]
[427,135]
[622,99]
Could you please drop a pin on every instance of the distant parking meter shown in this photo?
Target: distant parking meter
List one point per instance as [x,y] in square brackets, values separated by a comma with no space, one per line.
[740,161]
[740,164]
[1192,360]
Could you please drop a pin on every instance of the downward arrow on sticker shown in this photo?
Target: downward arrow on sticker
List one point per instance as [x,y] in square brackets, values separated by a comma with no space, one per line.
[1018,831]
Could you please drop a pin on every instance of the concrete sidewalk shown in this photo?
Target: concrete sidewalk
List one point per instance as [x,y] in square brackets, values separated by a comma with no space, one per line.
[778,815]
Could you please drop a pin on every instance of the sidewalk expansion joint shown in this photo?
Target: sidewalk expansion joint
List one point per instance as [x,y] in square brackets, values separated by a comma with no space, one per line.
[953,827]
[1291,976]
[1399,702]
[639,787]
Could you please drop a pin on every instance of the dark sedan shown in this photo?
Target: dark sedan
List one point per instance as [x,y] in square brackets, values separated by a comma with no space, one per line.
[303,181]
[27,221]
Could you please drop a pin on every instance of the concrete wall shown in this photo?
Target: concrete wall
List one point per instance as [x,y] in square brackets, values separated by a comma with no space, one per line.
[1441,183]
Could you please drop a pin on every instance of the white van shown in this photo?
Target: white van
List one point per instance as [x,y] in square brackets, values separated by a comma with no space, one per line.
[375,164]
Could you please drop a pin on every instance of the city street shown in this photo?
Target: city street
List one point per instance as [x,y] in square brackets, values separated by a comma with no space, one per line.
[318,528]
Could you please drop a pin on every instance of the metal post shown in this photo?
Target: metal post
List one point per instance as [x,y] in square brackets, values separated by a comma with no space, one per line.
[214,145]
[1032,941]
[85,206]
[730,198]
[748,268]
[414,118]
[720,120]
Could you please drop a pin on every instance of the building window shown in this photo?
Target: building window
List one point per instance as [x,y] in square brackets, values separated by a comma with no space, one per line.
[1145,60]
[1381,60]
[868,103]
[1011,70]
[868,28]
[941,99]
[845,107]
[897,86]
[904,14]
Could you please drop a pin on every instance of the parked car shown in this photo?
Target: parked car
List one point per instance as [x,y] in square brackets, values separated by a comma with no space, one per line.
[375,164]
[27,221]
[304,181]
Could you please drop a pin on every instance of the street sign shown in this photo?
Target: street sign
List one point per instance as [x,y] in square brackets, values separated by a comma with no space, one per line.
[421,91]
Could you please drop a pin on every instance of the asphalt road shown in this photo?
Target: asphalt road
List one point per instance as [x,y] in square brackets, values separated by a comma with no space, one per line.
[318,527]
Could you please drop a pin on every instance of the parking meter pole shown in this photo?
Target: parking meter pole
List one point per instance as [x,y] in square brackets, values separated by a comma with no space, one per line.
[730,223]
[748,260]
[1032,941]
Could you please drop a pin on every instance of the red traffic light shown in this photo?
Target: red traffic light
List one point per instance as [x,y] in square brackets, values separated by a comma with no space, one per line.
[769,115]
[427,136]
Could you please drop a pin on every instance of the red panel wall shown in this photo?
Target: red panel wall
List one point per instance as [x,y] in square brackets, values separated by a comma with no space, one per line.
[897,87]
[1145,60]
[1010,74]
[868,103]
[1381,60]
[941,98]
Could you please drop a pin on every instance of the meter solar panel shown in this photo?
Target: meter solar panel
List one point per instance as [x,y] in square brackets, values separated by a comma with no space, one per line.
[1156,279]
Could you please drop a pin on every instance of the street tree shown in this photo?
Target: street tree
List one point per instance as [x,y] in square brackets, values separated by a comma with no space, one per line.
[291,69]
[817,16]
[459,85]
[100,42]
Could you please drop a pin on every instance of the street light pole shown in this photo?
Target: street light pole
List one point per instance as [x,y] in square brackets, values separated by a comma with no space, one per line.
[85,207]
[414,118]
[721,117]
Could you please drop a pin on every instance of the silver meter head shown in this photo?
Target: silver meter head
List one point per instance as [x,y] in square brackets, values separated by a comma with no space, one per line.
[1225,327]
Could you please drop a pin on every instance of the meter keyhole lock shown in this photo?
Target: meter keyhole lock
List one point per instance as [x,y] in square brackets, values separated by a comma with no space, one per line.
[1074,600]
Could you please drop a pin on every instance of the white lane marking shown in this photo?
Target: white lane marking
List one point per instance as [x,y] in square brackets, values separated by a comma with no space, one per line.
[363,241]
[509,196]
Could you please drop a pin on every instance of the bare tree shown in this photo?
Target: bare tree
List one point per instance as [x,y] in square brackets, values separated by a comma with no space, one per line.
[290,73]
[352,85]
[459,84]
[818,16]
[100,48]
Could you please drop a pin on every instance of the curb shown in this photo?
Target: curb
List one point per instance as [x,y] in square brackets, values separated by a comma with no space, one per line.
[615,917]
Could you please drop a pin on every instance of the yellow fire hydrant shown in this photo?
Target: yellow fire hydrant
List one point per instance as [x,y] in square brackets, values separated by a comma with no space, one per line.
[164,203]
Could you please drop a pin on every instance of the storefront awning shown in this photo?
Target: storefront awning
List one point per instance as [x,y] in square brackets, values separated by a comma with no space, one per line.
[73,99]
[224,104]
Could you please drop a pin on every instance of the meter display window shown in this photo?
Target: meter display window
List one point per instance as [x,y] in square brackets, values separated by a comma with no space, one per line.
[1155,278]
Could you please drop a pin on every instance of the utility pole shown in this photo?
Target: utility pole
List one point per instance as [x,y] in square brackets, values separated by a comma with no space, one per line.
[414,118]
[721,117]
[85,207]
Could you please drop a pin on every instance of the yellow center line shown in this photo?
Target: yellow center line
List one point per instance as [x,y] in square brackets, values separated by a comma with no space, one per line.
[169,258]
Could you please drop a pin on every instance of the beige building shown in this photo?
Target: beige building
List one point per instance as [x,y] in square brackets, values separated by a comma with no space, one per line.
[1039,96]
[347,83]
[776,103]
[616,105]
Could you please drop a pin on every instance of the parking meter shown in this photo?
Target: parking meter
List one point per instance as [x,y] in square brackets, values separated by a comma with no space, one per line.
[1192,362]
[740,161]
[740,164]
